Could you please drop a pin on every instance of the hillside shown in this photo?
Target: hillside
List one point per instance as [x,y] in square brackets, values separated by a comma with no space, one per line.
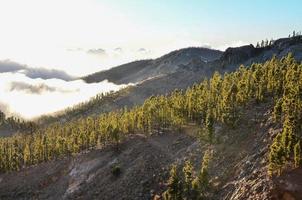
[192,70]
[248,119]
[140,70]
[145,161]
[177,60]
[12,125]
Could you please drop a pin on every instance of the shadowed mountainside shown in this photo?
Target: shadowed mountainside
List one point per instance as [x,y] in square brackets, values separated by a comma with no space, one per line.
[239,169]
[176,70]
[140,70]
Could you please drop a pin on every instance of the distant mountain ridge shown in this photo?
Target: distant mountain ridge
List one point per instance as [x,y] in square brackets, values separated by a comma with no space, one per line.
[179,60]
[175,73]
[248,54]
[140,70]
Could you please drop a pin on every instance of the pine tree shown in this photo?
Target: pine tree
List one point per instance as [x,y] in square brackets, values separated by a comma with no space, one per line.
[200,184]
[266,43]
[277,110]
[297,154]
[276,156]
[270,42]
[2,117]
[287,137]
[188,178]
[26,155]
[174,191]
[210,126]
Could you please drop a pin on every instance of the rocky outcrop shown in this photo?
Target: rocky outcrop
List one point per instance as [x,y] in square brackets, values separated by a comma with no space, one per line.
[238,55]
[284,43]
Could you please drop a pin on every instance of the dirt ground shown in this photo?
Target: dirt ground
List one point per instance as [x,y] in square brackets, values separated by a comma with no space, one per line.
[238,169]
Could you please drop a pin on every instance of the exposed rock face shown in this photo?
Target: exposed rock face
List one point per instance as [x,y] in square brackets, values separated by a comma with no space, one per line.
[290,45]
[238,55]
[284,43]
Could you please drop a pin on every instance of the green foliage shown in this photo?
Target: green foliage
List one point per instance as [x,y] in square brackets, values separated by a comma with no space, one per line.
[201,183]
[297,155]
[2,117]
[17,124]
[116,170]
[188,178]
[186,185]
[210,126]
[175,187]
[218,100]
[277,110]
[277,156]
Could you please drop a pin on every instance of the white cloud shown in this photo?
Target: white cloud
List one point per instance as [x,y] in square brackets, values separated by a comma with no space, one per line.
[30,98]
[56,34]
[11,66]
[232,44]
[98,52]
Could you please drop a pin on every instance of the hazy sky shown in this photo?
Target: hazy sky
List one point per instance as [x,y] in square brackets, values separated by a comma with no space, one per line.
[84,36]
[44,44]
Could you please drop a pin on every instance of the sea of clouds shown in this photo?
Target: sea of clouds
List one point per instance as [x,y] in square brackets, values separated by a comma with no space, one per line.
[31,92]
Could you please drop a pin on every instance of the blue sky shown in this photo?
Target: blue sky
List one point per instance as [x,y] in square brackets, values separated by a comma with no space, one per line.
[217,21]
[85,36]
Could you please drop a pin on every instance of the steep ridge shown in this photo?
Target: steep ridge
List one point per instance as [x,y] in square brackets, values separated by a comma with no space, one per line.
[176,60]
[238,170]
[192,70]
[239,167]
[246,55]
[140,70]
[121,74]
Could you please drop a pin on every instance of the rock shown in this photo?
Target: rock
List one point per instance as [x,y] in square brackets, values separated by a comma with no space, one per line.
[238,54]
[288,196]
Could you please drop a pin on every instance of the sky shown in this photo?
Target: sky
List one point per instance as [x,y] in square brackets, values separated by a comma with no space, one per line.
[47,41]
[60,33]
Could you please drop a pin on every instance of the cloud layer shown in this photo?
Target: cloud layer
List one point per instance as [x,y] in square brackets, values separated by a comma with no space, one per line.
[31,92]
[43,73]
[34,89]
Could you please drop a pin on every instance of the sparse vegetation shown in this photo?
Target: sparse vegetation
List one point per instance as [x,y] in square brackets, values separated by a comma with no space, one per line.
[217,100]
[17,124]
[116,170]
[188,183]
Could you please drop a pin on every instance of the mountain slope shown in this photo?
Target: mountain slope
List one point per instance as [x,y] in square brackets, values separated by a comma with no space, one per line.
[238,169]
[140,70]
[236,117]
[172,62]
[181,76]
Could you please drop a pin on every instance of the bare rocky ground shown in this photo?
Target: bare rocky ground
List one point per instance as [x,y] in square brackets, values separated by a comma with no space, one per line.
[143,163]
[289,185]
[238,168]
